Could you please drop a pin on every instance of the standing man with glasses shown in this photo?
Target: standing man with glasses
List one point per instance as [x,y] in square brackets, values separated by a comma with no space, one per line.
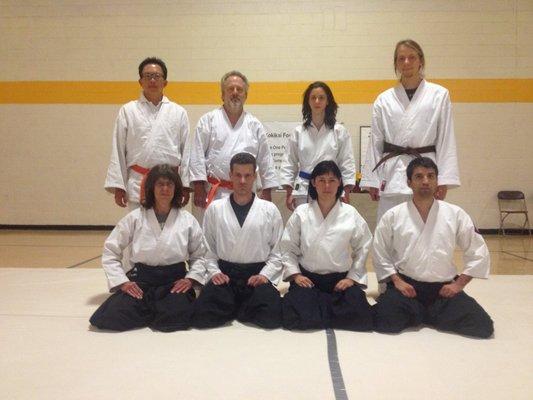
[149,131]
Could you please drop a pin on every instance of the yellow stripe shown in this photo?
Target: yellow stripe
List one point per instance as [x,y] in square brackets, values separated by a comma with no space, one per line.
[346,92]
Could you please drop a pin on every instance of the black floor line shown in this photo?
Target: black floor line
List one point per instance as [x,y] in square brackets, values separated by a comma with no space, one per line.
[335,367]
[83,262]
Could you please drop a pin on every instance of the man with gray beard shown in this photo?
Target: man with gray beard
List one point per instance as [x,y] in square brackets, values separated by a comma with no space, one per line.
[222,133]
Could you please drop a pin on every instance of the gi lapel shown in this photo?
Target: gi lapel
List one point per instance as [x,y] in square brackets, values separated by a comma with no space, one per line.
[152,221]
[245,236]
[423,246]
[232,138]
[410,113]
[320,232]
[155,130]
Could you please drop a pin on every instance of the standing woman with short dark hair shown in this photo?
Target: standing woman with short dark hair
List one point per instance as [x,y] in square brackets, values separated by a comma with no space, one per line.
[319,138]
[324,249]
[162,237]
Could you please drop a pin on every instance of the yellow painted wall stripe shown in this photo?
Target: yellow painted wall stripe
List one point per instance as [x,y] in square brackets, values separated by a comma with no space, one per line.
[267,93]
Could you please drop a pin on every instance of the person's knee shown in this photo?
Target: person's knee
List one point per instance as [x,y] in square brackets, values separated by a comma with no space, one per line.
[387,323]
[394,312]
[483,324]
[486,330]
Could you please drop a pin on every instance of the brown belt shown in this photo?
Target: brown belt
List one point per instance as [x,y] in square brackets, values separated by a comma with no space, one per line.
[395,151]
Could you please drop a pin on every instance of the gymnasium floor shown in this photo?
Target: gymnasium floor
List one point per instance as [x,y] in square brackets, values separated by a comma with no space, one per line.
[51,282]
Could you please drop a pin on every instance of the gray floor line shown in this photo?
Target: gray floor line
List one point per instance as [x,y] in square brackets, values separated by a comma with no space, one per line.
[84,262]
[335,367]
[516,255]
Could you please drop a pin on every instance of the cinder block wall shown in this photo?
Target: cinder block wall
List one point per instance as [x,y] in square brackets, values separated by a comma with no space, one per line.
[53,156]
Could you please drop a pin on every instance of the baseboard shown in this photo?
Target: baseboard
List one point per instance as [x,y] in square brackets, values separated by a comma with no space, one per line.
[491,231]
[58,227]
[507,231]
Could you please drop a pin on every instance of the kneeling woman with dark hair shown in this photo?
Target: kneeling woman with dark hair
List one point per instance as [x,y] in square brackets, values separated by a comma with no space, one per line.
[161,237]
[324,249]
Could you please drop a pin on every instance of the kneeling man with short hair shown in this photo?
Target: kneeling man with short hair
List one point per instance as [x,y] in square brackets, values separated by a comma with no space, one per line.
[413,251]
[243,260]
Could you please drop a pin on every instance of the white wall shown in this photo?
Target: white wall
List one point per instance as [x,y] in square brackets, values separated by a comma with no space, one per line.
[53,157]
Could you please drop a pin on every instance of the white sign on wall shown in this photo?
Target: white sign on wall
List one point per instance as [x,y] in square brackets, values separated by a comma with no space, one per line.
[364,134]
[278,134]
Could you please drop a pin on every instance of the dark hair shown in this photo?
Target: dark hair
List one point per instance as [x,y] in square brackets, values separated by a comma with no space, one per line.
[162,171]
[242,159]
[416,47]
[322,168]
[331,108]
[153,60]
[421,162]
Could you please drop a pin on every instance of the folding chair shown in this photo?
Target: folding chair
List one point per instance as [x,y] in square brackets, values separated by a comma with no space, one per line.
[512,202]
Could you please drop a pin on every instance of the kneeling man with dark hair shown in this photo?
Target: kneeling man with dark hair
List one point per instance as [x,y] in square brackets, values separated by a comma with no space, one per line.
[413,251]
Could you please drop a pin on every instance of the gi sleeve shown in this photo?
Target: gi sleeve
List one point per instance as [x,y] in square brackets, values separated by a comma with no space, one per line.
[117,172]
[360,242]
[210,230]
[446,152]
[374,152]
[290,246]
[476,255]
[382,249]
[185,149]
[273,267]
[117,241]
[345,157]
[199,148]
[197,250]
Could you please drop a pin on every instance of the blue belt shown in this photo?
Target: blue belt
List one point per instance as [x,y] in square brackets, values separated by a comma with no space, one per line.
[304,175]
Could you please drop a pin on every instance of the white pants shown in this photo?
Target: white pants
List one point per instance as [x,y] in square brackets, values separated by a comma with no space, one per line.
[198,212]
[299,200]
[387,202]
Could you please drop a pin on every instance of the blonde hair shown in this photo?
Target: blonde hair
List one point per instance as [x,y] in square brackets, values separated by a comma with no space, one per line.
[416,47]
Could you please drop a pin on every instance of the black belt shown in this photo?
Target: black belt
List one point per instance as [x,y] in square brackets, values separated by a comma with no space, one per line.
[239,273]
[324,282]
[157,275]
[395,151]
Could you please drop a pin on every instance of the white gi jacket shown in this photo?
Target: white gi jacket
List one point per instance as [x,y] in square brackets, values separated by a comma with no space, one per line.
[425,120]
[180,240]
[403,243]
[216,141]
[338,243]
[147,135]
[308,147]
[256,241]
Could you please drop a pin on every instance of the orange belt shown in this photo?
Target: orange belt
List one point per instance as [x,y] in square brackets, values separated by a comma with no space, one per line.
[144,172]
[215,184]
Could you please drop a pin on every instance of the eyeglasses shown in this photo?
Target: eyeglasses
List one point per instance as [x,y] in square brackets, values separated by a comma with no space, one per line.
[149,76]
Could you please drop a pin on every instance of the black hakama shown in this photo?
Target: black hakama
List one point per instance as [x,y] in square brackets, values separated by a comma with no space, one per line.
[158,309]
[460,314]
[321,307]
[219,304]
